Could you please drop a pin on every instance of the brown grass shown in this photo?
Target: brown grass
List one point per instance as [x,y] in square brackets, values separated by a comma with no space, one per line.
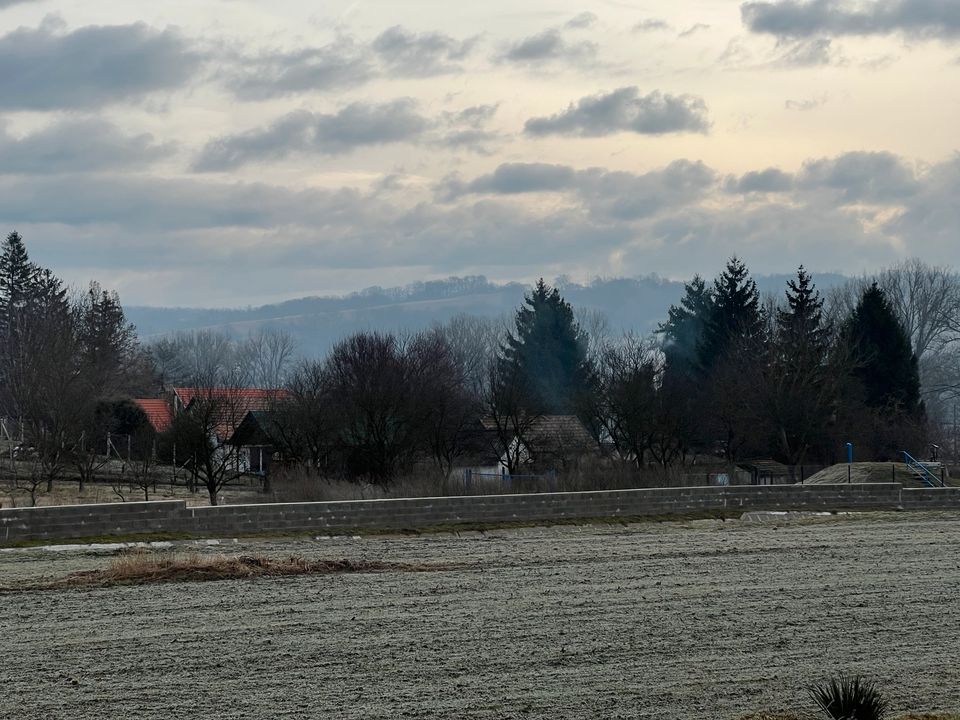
[146,568]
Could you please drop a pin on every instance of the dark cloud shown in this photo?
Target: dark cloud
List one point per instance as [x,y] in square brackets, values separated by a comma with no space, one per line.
[357,125]
[78,145]
[857,210]
[625,110]
[807,18]
[45,69]
[421,55]
[514,178]
[338,65]
[651,25]
[346,63]
[871,177]
[771,180]
[549,46]
[10,3]
[613,195]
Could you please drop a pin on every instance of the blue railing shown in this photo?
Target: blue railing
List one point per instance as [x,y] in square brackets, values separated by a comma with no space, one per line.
[922,471]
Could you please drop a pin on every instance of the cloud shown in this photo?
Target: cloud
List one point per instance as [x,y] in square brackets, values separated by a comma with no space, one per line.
[420,55]
[582,21]
[871,177]
[693,29]
[45,69]
[771,180]
[339,65]
[10,3]
[856,209]
[76,146]
[467,129]
[548,46]
[357,125]
[625,110]
[807,18]
[809,52]
[651,25]
[348,63]
[619,195]
[806,105]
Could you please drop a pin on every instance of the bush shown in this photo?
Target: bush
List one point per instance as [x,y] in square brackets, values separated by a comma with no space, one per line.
[846,698]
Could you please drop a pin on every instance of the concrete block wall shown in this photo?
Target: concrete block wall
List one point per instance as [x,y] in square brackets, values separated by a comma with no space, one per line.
[68,521]
[118,519]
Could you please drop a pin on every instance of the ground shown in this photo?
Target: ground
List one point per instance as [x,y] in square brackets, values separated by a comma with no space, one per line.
[689,620]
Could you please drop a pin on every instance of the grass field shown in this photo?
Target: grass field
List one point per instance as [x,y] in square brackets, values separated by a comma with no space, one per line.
[700,619]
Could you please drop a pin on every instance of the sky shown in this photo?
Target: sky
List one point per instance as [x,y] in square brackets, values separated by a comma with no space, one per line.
[240,152]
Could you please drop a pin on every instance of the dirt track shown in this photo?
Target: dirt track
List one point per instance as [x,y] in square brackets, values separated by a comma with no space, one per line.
[682,620]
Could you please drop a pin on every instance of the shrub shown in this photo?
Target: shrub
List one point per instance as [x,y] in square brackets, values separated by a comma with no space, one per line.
[850,698]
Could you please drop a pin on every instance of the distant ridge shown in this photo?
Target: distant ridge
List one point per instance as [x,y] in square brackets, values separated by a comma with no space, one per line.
[636,304]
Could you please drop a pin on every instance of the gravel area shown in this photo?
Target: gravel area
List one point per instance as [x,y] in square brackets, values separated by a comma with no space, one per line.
[700,619]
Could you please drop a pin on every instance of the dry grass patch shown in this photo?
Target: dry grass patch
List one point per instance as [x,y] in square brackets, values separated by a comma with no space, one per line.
[139,568]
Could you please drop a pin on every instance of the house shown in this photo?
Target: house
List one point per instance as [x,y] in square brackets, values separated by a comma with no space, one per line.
[158,412]
[254,436]
[232,404]
[545,444]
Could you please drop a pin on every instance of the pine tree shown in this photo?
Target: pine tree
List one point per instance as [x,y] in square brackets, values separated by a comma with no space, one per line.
[736,318]
[684,328]
[886,366]
[550,351]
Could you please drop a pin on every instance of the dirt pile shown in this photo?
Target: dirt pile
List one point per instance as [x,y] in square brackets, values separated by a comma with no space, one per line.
[144,568]
[866,472]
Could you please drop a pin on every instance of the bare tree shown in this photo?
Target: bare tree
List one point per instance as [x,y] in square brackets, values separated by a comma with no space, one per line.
[509,406]
[200,433]
[626,408]
[268,355]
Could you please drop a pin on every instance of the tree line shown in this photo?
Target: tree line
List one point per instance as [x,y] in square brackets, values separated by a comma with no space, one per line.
[728,374]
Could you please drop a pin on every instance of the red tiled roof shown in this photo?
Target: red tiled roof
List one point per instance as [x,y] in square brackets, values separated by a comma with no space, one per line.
[237,403]
[157,411]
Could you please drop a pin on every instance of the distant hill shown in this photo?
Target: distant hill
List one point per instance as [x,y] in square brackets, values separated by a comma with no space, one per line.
[636,304]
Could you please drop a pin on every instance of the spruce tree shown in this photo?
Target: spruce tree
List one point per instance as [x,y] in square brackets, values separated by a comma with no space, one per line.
[18,277]
[683,330]
[803,333]
[886,365]
[736,318]
[550,352]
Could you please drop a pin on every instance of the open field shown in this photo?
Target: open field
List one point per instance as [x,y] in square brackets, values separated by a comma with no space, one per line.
[699,619]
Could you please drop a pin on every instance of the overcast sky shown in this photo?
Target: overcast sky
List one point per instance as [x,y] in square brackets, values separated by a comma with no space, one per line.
[235,152]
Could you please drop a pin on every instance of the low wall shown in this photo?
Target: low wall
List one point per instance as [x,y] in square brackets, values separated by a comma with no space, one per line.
[120,519]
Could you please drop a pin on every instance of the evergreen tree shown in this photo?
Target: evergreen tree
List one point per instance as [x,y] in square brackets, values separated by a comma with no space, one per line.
[803,333]
[17,279]
[107,341]
[799,387]
[684,328]
[736,318]
[550,351]
[886,366]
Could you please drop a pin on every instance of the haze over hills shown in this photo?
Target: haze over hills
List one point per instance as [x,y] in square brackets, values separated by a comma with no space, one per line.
[629,304]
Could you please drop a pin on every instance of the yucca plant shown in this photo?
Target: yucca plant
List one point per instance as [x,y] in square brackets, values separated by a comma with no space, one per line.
[850,698]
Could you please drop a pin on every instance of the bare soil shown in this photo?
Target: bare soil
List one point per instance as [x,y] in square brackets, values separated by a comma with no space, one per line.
[699,620]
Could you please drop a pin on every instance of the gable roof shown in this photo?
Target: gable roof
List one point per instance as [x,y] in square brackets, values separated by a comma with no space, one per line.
[158,412]
[236,403]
